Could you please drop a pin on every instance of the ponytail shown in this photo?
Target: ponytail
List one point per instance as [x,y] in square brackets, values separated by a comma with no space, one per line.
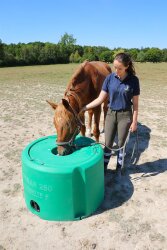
[126,60]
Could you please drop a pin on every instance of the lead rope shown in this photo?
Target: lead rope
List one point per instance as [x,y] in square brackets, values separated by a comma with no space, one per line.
[135,146]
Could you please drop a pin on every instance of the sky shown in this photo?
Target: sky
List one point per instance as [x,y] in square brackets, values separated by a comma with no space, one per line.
[113,24]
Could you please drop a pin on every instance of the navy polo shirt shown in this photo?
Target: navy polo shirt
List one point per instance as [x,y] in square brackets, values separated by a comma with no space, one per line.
[121,92]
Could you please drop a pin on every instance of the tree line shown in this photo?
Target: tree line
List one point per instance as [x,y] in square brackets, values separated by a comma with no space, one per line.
[66,51]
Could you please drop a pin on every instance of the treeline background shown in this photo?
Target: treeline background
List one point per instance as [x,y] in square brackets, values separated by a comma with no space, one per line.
[66,51]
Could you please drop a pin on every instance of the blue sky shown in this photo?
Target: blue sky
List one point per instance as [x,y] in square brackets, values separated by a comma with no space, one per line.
[123,23]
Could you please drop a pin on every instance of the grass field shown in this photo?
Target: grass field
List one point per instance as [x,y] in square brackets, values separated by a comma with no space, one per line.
[133,214]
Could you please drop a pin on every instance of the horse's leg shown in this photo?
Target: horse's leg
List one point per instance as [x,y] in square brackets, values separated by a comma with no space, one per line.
[89,127]
[96,131]
[83,128]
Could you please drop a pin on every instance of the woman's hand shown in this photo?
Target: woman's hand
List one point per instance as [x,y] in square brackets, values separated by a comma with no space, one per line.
[133,127]
[83,109]
[102,96]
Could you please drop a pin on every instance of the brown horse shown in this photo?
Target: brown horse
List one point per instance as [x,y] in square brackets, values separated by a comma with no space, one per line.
[83,88]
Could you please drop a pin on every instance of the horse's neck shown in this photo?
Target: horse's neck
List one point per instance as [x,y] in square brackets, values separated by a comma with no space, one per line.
[78,88]
[77,94]
[73,99]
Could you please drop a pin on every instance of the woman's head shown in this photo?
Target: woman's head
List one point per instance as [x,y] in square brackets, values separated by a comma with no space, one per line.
[123,64]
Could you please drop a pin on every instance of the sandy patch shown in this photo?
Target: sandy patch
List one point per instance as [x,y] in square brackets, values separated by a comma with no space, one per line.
[133,213]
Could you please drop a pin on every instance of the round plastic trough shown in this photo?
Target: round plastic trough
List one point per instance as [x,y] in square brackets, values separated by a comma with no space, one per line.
[62,187]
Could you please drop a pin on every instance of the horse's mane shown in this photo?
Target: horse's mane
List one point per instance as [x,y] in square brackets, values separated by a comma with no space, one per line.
[78,76]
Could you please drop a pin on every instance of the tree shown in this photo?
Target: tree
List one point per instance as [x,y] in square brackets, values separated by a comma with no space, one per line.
[67,51]
[9,60]
[89,57]
[153,55]
[35,51]
[133,53]
[66,47]
[1,52]
[116,51]
[77,57]
[106,56]
[50,54]
[141,56]
[90,54]
[67,39]
[164,55]
[71,59]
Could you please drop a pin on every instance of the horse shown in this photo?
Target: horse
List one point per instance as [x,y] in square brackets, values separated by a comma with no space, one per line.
[84,86]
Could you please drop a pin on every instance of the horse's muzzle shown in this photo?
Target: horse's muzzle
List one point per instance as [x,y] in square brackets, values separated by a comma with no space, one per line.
[64,150]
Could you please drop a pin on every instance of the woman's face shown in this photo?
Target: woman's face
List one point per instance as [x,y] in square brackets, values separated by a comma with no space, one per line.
[120,69]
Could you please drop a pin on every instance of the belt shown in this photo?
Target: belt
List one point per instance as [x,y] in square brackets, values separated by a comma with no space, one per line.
[121,110]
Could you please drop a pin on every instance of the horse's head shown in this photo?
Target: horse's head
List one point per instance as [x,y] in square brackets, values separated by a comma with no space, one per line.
[66,125]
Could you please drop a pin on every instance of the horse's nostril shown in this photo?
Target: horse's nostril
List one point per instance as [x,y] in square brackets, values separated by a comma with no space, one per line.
[54,151]
[62,151]
[66,152]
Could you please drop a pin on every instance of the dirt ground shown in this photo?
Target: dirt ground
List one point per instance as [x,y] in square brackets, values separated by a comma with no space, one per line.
[133,214]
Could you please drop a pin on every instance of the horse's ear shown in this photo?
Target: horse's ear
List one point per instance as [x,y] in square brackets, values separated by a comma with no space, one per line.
[52,104]
[65,103]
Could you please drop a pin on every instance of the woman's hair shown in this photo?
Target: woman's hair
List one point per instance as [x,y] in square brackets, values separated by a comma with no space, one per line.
[126,60]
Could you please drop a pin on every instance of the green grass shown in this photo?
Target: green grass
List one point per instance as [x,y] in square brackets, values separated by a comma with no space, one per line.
[152,76]
[48,73]
[150,72]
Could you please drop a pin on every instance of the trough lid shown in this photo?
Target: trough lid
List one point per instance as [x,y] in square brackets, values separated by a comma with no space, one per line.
[44,152]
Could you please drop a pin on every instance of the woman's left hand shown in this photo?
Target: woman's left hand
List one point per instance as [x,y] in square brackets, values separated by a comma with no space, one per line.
[83,109]
[133,127]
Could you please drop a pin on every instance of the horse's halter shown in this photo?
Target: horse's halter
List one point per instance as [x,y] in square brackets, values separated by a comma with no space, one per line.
[78,122]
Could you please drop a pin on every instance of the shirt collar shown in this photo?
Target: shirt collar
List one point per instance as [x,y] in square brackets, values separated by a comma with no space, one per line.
[126,78]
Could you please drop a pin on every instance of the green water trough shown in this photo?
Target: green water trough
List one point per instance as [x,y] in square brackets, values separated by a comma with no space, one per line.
[62,188]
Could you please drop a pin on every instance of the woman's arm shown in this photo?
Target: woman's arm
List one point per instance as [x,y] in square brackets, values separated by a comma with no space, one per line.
[135,101]
[99,100]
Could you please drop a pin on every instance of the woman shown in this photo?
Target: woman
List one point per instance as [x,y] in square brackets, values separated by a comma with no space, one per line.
[123,90]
